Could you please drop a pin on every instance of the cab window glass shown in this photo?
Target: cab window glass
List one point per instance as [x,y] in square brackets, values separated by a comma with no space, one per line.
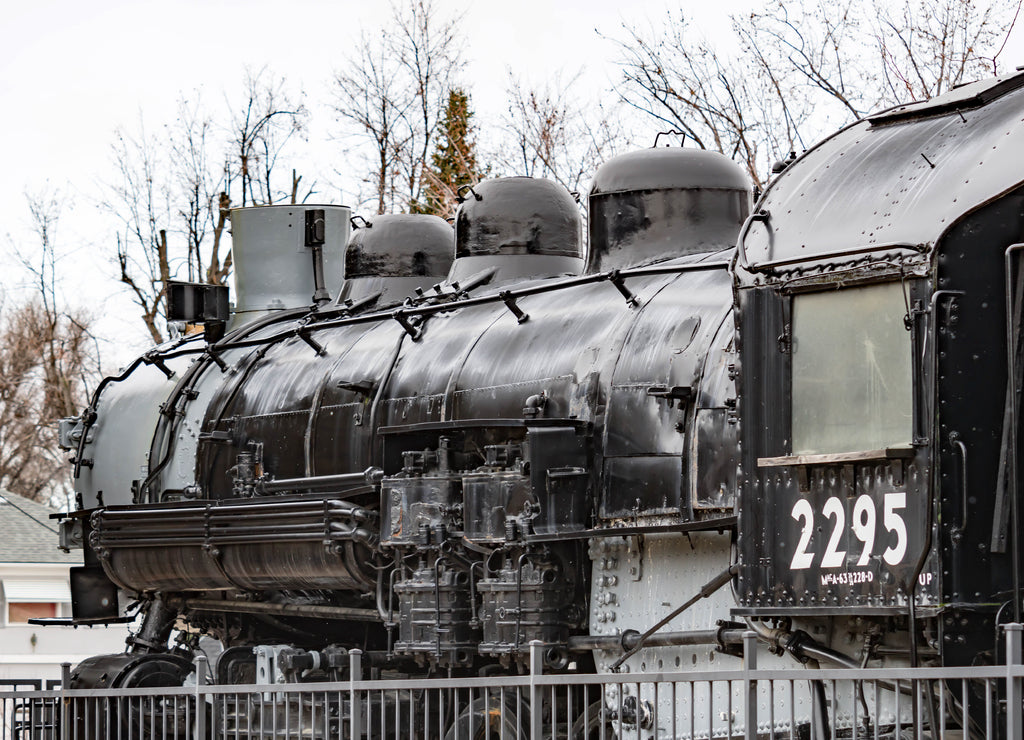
[851,371]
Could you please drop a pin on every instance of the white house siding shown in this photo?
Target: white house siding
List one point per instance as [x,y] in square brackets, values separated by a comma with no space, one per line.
[34,570]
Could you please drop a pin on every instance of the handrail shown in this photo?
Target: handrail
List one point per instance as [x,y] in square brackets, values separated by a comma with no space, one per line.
[961,528]
[1011,369]
[866,249]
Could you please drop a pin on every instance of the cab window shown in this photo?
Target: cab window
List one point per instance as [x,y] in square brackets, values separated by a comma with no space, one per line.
[852,387]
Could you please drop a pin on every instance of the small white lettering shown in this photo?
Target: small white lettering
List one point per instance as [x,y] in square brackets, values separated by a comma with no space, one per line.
[847,578]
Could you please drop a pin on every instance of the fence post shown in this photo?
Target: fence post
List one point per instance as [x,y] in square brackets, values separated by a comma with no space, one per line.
[355,673]
[65,716]
[200,663]
[749,685]
[536,700]
[1014,696]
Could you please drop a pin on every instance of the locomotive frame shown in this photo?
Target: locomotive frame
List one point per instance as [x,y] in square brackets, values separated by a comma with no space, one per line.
[786,403]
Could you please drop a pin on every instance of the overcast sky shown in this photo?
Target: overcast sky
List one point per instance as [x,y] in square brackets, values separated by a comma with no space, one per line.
[71,72]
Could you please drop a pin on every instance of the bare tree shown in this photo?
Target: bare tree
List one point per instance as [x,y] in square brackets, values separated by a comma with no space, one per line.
[818,50]
[555,133]
[48,359]
[372,98]
[172,194]
[868,54]
[932,45]
[203,203]
[140,198]
[390,97]
[679,80]
[430,51]
[806,67]
[262,126]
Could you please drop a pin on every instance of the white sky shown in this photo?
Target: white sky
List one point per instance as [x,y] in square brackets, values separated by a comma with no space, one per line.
[72,71]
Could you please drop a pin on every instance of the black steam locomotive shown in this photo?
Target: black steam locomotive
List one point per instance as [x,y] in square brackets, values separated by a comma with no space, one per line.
[805,412]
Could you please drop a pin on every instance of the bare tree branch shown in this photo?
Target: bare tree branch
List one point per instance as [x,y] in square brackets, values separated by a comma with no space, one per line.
[371,98]
[806,67]
[268,118]
[173,194]
[47,361]
[390,95]
[554,133]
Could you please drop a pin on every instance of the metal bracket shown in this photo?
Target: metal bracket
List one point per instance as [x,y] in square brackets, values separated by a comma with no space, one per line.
[634,558]
[620,283]
[896,471]
[786,340]
[849,477]
[671,393]
[411,329]
[151,358]
[216,358]
[510,303]
[362,387]
[317,347]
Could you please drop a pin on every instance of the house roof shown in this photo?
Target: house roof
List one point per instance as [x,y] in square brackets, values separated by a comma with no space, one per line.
[27,534]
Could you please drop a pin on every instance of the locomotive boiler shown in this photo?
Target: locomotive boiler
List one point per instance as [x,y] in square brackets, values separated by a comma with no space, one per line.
[440,446]
[431,465]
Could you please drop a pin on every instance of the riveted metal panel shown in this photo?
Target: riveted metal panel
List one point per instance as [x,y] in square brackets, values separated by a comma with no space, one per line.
[875,185]
[853,537]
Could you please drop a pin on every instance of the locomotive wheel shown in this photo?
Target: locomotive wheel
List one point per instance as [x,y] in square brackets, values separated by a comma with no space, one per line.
[588,726]
[129,717]
[489,717]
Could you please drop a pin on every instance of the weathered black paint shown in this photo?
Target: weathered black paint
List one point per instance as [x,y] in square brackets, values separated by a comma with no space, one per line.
[864,207]
[657,204]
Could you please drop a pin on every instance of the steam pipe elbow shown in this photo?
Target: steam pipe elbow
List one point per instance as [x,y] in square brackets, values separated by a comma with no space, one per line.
[800,645]
[814,651]
[365,537]
[805,648]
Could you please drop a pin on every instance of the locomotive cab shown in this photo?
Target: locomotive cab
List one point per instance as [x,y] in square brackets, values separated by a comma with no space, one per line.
[878,418]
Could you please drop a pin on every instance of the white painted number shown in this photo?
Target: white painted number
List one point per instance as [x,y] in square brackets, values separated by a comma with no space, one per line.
[833,557]
[894,523]
[863,524]
[801,558]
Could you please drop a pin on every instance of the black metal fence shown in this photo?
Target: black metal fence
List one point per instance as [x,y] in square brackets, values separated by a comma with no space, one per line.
[964,702]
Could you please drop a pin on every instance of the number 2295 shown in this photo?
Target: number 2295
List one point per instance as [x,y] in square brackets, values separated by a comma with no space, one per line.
[864,518]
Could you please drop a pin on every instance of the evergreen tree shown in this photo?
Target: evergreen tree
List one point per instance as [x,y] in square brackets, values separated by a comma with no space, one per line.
[453,163]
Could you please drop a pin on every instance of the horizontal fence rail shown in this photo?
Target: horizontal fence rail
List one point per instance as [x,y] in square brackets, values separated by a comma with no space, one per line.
[895,704]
